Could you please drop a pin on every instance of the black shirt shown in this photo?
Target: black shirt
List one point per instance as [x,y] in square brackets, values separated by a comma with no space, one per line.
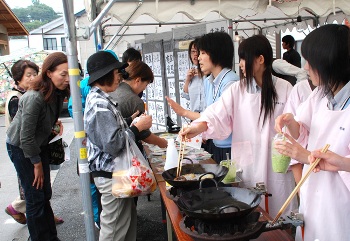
[292,57]
[13,104]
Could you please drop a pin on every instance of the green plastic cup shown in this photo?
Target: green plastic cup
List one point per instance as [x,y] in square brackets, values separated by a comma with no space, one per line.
[231,174]
[280,162]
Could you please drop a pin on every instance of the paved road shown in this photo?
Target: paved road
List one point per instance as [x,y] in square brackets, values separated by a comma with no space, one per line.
[9,229]
[67,200]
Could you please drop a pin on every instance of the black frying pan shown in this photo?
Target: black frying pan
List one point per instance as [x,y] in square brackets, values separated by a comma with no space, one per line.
[217,170]
[219,203]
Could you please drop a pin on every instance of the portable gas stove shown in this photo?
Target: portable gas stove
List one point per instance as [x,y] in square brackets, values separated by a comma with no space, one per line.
[232,230]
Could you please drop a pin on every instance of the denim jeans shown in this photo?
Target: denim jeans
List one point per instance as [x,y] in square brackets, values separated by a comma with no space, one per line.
[40,218]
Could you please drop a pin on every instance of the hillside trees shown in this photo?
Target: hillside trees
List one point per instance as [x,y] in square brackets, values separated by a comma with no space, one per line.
[35,15]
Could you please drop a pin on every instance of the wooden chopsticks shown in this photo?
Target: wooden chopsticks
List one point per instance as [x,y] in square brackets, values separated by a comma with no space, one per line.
[181,156]
[296,189]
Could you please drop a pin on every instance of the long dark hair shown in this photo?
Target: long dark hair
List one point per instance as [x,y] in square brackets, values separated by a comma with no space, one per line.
[327,50]
[194,44]
[43,83]
[249,50]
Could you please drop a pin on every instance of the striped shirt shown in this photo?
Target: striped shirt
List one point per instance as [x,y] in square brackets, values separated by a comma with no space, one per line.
[104,127]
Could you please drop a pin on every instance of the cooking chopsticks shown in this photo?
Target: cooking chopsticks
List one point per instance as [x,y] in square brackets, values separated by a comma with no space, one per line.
[181,156]
[296,189]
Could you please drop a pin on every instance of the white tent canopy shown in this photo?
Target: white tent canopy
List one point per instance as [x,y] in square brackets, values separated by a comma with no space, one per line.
[164,10]
[279,14]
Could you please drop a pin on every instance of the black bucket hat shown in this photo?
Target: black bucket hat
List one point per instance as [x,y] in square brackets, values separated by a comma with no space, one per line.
[101,63]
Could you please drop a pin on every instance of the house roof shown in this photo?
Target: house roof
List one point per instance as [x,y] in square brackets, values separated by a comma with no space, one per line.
[46,28]
[9,20]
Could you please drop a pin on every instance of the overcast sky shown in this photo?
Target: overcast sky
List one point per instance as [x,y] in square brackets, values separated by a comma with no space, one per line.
[55,4]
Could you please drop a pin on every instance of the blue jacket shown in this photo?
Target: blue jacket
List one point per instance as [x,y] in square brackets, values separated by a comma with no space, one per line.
[85,89]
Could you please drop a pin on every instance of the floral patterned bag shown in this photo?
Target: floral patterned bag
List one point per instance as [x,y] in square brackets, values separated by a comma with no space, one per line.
[132,175]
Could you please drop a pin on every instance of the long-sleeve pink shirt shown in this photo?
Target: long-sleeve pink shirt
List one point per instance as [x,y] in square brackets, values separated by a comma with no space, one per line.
[238,111]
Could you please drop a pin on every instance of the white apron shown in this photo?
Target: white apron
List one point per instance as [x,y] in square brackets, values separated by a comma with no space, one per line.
[251,143]
[325,196]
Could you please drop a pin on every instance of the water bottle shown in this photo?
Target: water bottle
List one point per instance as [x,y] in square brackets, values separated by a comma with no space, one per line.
[172,155]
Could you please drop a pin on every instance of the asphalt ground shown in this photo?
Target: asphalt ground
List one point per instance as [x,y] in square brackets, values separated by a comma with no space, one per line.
[67,199]
[67,202]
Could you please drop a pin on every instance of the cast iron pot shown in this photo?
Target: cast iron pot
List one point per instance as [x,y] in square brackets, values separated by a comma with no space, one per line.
[217,170]
[216,203]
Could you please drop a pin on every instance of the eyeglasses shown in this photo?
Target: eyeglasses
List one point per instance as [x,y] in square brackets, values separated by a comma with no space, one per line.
[194,52]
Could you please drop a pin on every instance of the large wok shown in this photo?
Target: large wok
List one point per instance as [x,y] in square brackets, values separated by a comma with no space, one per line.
[219,203]
[217,170]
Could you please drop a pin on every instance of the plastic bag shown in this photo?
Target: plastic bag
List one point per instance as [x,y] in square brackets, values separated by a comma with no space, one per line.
[132,175]
[57,155]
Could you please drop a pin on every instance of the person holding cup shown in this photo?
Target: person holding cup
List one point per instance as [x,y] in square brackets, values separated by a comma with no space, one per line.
[280,162]
[262,97]
[324,119]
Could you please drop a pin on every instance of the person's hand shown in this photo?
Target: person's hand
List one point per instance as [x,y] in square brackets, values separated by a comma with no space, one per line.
[38,176]
[144,123]
[283,120]
[58,128]
[191,73]
[133,116]
[175,106]
[163,143]
[193,130]
[292,149]
[330,161]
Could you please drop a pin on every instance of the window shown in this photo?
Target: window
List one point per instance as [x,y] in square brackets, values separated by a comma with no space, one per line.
[50,44]
[63,44]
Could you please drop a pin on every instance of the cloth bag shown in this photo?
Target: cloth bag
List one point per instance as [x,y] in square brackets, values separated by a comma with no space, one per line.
[57,155]
[132,175]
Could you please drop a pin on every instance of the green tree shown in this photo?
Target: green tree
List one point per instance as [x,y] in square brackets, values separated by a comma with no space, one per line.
[42,12]
[33,25]
[35,15]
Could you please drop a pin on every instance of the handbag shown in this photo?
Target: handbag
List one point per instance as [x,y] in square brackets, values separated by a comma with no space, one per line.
[132,175]
[56,151]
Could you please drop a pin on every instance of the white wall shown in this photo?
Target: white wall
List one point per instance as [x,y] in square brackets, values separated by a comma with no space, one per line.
[36,42]
[17,44]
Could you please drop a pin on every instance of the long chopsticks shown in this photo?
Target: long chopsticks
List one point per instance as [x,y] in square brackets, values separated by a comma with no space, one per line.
[181,156]
[296,189]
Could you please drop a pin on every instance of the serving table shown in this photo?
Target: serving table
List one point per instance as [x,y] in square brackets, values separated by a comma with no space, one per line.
[174,216]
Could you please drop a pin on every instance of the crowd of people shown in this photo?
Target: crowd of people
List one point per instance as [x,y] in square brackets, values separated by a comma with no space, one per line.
[235,114]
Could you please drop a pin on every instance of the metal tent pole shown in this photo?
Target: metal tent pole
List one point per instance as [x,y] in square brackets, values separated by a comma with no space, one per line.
[79,133]
[98,19]
[122,26]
